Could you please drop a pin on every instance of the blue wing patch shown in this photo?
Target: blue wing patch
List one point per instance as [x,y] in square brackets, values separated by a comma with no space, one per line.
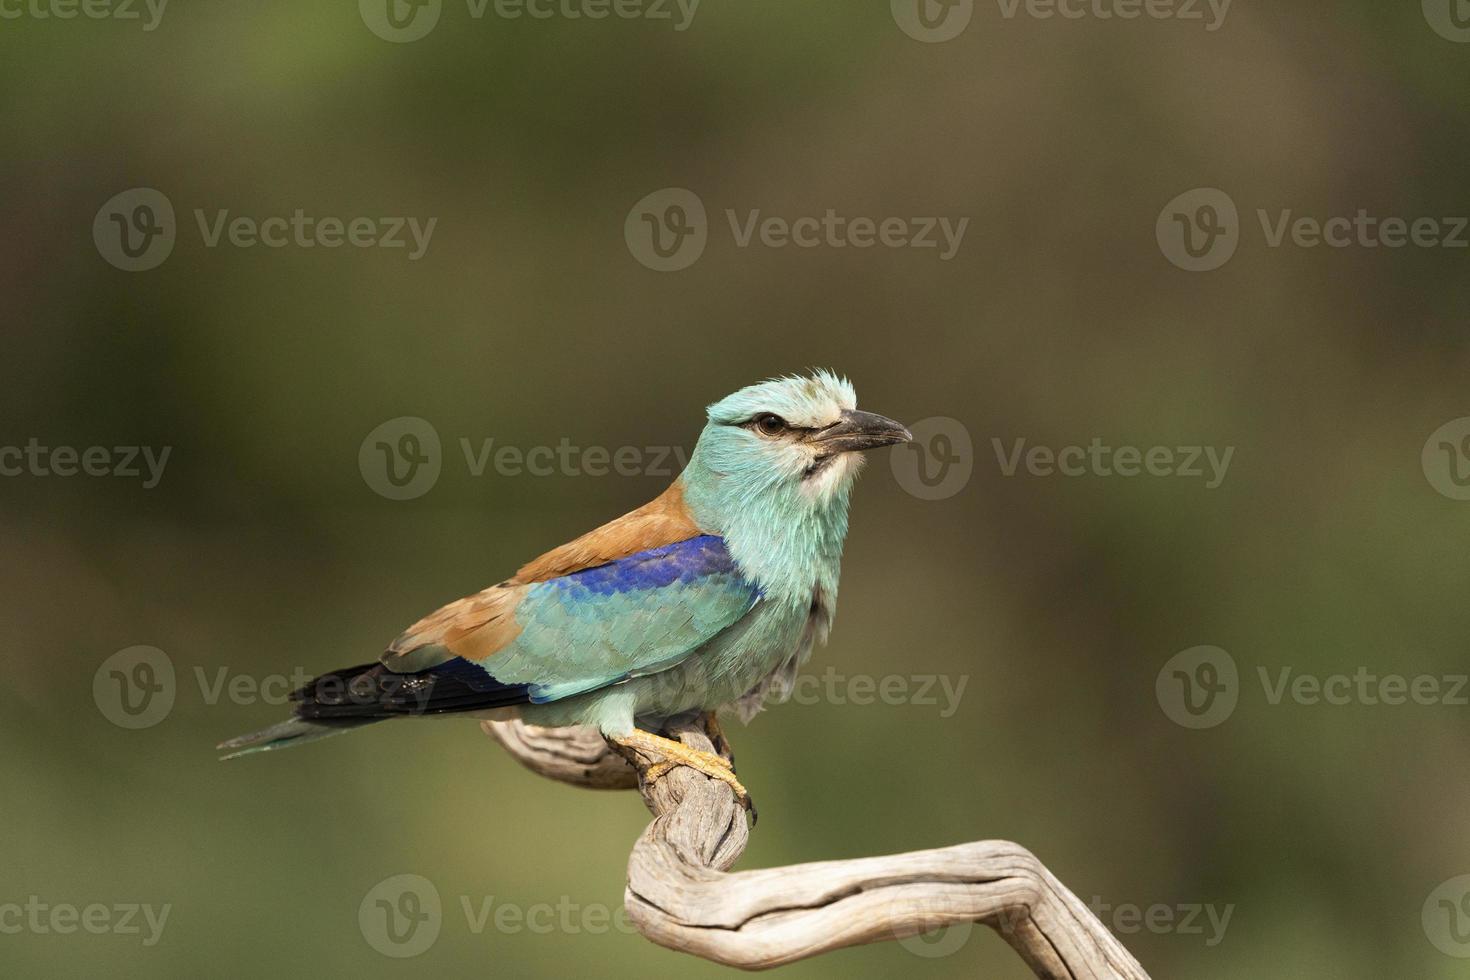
[633,616]
[681,562]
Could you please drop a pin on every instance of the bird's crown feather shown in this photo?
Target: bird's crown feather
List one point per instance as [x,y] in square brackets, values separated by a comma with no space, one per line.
[811,401]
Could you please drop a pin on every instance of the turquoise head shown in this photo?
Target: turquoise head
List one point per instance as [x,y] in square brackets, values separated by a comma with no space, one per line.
[773,471]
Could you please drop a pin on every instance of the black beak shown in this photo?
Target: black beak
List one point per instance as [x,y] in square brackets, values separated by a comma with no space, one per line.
[859,430]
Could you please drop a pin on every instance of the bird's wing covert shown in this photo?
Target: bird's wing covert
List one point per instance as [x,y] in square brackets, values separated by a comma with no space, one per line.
[636,615]
[633,597]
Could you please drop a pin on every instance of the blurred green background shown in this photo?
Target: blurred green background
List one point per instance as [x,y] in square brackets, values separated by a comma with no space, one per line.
[264,551]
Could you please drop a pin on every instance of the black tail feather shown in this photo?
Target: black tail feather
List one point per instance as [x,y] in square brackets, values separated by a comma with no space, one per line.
[342,700]
[373,691]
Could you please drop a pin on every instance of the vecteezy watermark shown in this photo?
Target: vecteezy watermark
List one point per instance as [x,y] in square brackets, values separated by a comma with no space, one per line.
[1446,459]
[136,230]
[1208,463]
[1189,919]
[1450,19]
[936,933]
[933,21]
[148,12]
[938,462]
[309,231]
[402,21]
[1446,917]
[139,687]
[402,916]
[41,918]
[1200,688]
[920,690]
[128,462]
[402,459]
[930,932]
[135,687]
[667,230]
[1200,230]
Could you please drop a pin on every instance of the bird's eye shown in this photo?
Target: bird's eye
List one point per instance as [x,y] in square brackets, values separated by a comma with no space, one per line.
[769,424]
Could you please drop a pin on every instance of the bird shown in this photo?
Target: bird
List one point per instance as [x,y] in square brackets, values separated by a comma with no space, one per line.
[709,597]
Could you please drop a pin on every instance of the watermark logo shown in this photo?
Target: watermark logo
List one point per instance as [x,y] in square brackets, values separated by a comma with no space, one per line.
[932,21]
[680,13]
[306,231]
[1207,463]
[120,10]
[1199,230]
[833,230]
[401,459]
[401,916]
[1184,11]
[43,918]
[1198,687]
[942,691]
[140,686]
[931,934]
[667,230]
[1446,459]
[1161,919]
[400,21]
[135,688]
[135,231]
[569,459]
[938,463]
[1446,917]
[566,917]
[129,462]
[1449,18]
[1363,686]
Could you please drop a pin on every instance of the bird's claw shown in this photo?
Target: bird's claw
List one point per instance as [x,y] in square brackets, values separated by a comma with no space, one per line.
[674,754]
[722,770]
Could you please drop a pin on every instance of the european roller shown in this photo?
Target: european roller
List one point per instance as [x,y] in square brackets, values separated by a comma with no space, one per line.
[710,596]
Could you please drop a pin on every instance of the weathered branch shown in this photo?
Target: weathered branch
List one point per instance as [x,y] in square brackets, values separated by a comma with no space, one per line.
[681,895]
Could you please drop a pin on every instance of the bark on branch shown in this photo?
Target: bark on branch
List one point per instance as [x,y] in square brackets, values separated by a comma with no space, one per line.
[681,894]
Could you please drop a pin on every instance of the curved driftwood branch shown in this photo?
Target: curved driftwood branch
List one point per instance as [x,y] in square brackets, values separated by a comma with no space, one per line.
[681,895]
